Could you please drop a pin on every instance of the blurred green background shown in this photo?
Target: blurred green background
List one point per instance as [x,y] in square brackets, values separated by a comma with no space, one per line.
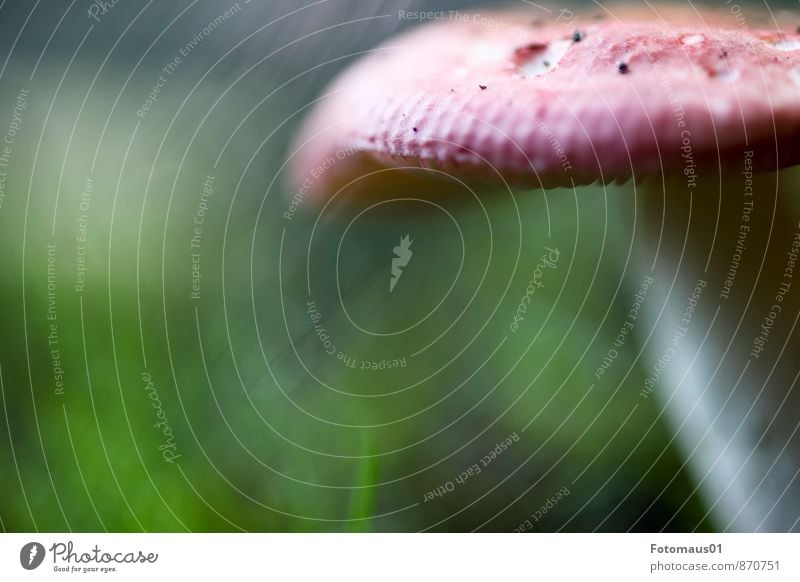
[217,408]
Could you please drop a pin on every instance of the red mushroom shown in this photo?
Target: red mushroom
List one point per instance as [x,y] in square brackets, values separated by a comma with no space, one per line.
[531,104]
[700,110]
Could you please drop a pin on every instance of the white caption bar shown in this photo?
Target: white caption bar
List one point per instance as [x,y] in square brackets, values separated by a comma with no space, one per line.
[401,557]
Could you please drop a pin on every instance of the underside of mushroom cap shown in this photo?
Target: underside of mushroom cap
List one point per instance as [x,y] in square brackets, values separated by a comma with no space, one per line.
[505,98]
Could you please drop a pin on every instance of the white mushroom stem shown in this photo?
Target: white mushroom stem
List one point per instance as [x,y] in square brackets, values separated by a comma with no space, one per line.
[719,351]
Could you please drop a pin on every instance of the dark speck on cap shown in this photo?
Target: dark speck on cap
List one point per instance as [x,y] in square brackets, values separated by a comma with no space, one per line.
[577,36]
[623,68]
[483,87]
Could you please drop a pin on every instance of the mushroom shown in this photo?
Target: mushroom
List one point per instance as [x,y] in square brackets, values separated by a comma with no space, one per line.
[697,114]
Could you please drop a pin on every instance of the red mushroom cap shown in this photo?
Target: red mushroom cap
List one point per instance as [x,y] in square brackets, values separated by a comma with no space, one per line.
[498,97]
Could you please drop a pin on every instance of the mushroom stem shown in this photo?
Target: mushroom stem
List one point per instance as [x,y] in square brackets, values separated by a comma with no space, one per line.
[719,333]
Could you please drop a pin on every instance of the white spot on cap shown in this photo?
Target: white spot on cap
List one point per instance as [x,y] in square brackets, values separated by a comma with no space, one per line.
[787,44]
[692,39]
[543,60]
[796,75]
